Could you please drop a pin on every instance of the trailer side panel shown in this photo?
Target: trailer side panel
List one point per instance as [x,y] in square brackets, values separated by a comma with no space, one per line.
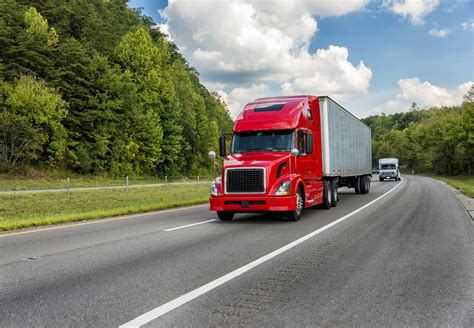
[346,141]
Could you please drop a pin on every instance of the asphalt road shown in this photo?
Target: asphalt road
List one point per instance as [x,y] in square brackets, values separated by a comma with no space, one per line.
[406,259]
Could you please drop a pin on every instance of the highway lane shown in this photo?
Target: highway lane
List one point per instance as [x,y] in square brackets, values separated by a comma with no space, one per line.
[405,260]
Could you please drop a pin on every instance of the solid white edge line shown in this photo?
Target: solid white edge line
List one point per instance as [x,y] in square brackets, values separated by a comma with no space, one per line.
[189,225]
[183,299]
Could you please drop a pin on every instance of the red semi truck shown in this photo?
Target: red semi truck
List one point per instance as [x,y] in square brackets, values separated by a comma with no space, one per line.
[290,153]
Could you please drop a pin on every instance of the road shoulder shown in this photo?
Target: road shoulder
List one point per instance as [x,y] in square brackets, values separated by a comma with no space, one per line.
[465,200]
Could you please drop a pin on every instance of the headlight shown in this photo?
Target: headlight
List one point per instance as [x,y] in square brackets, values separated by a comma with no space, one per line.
[283,189]
[215,186]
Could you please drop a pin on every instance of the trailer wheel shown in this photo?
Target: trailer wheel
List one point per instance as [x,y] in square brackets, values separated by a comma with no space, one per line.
[357,185]
[364,184]
[225,216]
[296,214]
[334,193]
[327,195]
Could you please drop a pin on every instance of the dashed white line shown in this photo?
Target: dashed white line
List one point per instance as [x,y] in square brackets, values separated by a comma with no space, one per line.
[183,299]
[189,225]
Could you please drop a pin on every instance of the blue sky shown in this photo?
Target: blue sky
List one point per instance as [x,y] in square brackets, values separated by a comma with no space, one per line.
[413,53]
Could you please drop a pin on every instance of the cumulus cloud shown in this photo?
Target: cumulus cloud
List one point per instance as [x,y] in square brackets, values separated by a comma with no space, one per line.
[415,10]
[329,72]
[439,33]
[424,94]
[468,25]
[264,43]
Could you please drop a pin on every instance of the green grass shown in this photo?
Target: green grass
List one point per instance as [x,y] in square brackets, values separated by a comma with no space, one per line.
[75,182]
[465,183]
[27,210]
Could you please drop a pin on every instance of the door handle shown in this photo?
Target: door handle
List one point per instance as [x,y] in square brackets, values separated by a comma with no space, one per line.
[308,173]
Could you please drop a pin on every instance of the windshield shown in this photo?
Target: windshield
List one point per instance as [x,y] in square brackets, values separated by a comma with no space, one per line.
[263,141]
[388,167]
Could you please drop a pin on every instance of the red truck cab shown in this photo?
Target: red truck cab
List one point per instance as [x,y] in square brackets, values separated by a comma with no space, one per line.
[260,173]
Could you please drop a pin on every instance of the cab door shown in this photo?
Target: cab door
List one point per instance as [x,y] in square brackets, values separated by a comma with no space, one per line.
[304,165]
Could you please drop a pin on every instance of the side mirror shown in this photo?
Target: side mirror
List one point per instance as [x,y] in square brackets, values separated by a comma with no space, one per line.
[309,143]
[222,150]
[295,152]
[212,154]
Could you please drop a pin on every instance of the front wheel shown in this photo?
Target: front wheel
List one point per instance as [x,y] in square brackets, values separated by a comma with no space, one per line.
[225,216]
[296,214]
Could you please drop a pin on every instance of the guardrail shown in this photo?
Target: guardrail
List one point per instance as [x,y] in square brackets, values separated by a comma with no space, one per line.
[70,184]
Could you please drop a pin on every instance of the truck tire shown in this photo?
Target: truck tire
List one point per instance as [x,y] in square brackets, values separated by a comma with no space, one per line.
[381,179]
[296,214]
[225,216]
[357,185]
[327,195]
[364,184]
[334,193]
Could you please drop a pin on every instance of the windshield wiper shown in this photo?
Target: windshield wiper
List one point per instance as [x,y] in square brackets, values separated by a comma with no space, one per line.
[281,148]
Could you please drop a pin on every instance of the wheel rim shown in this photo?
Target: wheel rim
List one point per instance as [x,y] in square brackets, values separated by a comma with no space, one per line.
[299,203]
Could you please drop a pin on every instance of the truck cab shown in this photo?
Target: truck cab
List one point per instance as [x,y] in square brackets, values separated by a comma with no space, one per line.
[273,164]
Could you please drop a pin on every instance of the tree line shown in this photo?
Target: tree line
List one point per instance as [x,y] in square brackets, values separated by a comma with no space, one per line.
[92,86]
[435,140]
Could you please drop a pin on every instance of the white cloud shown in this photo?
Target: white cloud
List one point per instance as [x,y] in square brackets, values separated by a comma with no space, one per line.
[439,33]
[415,10]
[238,97]
[424,94]
[468,25]
[329,72]
[260,42]
[163,28]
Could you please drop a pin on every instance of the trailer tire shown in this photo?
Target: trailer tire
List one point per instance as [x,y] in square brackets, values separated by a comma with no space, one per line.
[296,214]
[357,185]
[334,193]
[225,216]
[364,184]
[327,195]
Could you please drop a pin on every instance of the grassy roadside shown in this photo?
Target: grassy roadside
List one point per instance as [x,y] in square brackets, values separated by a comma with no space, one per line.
[27,210]
[464,183]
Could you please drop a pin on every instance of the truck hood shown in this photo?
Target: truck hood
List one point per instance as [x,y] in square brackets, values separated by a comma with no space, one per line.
[257,159]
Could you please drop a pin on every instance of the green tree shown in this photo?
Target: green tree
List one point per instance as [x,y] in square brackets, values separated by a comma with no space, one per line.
[30,100]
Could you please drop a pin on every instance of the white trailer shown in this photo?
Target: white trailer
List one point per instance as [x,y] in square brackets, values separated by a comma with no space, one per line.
[346,145]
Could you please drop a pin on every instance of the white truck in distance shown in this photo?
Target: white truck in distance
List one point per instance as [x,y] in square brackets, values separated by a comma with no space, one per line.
[389,169]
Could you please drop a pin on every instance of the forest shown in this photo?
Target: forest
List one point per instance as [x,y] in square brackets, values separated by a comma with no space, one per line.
[93,87]
[434,141]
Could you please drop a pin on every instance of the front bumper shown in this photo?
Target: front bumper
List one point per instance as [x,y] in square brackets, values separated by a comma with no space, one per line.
[252,204]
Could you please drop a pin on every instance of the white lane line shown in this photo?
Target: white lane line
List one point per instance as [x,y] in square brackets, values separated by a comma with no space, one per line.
[189,225]
[183,299]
